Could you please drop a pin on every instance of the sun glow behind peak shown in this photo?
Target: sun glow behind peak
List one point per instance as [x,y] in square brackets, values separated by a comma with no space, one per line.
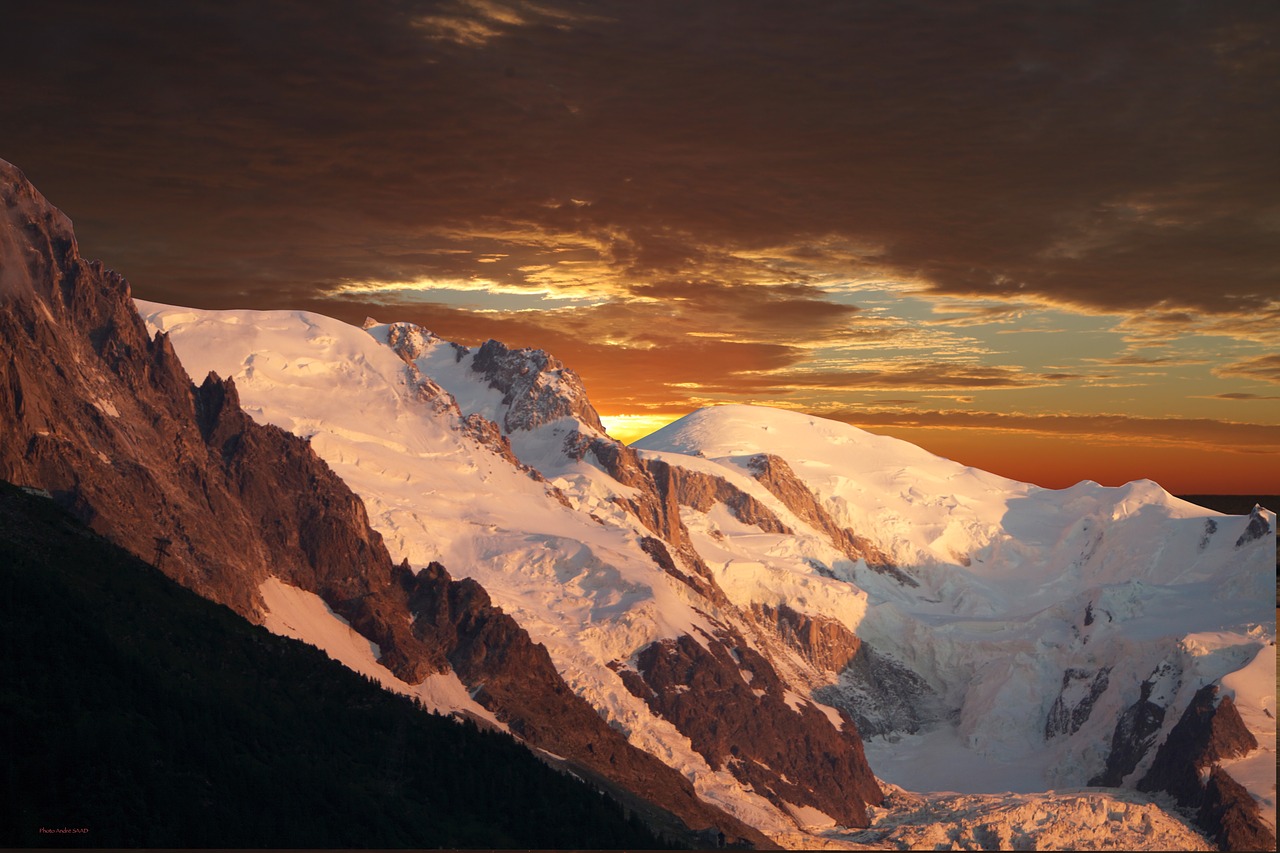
[629,428]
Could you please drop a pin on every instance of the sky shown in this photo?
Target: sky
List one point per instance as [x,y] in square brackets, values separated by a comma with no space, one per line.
[1039,238]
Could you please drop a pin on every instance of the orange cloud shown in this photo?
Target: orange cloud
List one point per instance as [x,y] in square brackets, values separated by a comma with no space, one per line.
[1264,367]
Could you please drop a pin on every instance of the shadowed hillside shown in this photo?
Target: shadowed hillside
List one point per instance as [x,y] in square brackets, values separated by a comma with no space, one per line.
[136,710]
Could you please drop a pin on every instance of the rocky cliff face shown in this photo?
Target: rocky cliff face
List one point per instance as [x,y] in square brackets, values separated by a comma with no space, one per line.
[1139,725]
[1080,690]
[825,643]
[757,725]
[1188,766]
[106,420]
[776,475]
[537,389]
[882,696]
[702,491]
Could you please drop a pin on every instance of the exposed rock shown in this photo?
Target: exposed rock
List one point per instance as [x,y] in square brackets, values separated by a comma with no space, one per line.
[882,696]
[780,744]
[824,642]
[537,389]
[1135,731]
[1080,690]
[1230,808]
[1210,528]
[1205,735]
[1258,527]
[776,475]
[657,511]
[703,491]
[410,342]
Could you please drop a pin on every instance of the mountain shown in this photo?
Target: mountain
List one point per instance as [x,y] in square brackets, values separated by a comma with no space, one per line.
[567,530]
[138,714]
[1053,638]
[103,417]
[732,623]
[983,635]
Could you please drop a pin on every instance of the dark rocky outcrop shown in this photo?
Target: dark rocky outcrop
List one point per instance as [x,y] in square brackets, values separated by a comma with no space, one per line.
[105,419]
[1257,527]
[731,704]
[703,491]
[882,696]
[655,506]
[1206,734]
[1067,716]
[1135,733]
[1231,814]
[776,475]
[536,388]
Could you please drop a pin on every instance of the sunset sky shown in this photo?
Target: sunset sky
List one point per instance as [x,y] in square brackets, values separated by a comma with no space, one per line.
[1038,238]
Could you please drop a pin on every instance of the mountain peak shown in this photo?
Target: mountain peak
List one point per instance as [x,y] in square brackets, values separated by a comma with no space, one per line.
[49,233]
[533,388]
[537,388]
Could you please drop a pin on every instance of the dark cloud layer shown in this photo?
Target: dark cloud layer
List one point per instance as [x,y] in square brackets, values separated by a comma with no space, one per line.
[1115,156]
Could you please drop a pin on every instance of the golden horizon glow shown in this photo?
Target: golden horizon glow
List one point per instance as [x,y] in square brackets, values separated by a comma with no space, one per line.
[629,428]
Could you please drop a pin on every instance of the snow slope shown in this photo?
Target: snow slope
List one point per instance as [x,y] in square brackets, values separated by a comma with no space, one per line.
[1025,596]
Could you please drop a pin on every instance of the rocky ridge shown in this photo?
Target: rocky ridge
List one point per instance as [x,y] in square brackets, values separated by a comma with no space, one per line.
[1188,766]
[106,420]
[776,475]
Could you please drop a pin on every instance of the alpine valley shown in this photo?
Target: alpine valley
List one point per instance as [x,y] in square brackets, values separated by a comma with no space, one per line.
[752,628]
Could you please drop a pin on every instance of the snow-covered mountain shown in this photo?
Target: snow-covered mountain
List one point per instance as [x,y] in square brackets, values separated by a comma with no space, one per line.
[748,580]
[1051,639]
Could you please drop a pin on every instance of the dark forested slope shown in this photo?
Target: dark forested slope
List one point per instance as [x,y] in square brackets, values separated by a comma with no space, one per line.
[136,713]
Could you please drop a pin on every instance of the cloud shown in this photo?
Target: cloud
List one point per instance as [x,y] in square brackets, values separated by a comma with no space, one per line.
[917,375]
[981,152]
[1238,395]
[1264,367]
[1225,435]
[1137,359]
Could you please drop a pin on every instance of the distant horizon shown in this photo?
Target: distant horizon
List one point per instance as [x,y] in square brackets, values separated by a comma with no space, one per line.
[1041,241]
